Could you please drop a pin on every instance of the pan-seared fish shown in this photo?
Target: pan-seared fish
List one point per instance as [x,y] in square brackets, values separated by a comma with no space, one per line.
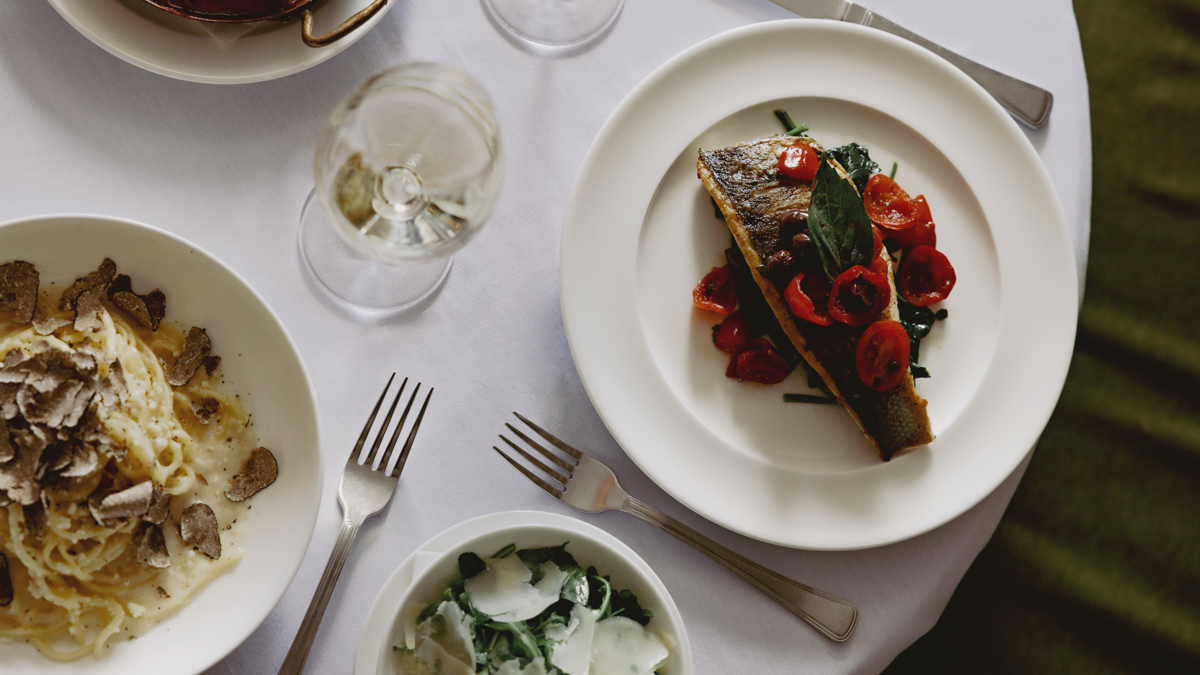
[763,212]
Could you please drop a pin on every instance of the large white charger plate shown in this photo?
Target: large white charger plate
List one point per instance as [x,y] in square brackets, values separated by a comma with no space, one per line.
[640,232]
[379,630]
[163,43]
[260,363]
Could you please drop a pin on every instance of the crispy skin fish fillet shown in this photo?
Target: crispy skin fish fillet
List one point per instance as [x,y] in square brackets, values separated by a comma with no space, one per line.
[754,204]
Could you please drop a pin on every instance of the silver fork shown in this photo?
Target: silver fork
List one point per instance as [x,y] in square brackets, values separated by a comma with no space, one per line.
[363,492]
[591,487]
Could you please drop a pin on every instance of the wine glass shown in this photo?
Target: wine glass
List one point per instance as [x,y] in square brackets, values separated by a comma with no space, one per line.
[554,27]
[407,169]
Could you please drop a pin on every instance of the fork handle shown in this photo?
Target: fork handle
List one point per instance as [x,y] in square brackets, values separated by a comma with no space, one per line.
[831,616]
[298,654]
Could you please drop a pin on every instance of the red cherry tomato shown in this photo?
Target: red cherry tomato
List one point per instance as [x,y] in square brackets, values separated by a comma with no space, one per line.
[859,295]
[881,357]
[925,277]
[807,295]
[733,334]
[760,363]
[878,241]
[716,292]
[888,205]
[920,233]
[799,161]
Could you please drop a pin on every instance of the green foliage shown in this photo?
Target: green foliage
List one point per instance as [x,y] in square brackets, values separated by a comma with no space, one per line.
[838,223]
[858,164]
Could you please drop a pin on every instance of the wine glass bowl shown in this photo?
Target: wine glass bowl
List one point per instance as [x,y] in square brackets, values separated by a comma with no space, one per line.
[407,169]
[554,27]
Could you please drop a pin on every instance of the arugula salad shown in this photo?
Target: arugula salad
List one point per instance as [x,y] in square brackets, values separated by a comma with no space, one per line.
[530,612]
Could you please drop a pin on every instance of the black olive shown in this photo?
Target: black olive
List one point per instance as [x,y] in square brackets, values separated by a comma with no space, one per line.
[802,245]
[791,222]
[781,266]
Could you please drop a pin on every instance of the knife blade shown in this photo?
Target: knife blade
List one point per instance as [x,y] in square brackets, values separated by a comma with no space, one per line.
[1027,103]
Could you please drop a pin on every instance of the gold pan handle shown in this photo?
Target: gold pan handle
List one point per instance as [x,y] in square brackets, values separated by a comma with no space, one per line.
[348,26]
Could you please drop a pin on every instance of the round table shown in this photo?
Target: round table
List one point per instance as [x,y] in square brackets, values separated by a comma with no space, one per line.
[229,167]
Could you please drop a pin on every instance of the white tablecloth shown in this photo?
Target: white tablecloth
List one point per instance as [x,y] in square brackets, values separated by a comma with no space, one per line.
[228,167]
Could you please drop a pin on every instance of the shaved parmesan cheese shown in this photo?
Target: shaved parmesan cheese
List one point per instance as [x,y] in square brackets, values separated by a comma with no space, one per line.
[503,591]
[513,667]
[573,653]
[410,624]
[622,646]
[446,643]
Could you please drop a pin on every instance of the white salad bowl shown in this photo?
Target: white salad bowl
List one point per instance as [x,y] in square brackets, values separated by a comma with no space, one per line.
[260,363]
[429,571]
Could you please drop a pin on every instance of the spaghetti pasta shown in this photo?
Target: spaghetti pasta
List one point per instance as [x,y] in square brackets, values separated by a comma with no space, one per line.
[78,583]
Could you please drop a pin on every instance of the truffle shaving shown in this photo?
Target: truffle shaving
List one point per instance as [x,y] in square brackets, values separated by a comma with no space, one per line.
[195,349]
[160,506]
[6,449]
[19,476]
[205,408]
[153,550]
[87,310]
[46,326]
[148,310]
[101,278]
[131,502]
[199,529]
[35,519]
[113,389]
[6,587]
[259,471]
[55,385]
[18,290]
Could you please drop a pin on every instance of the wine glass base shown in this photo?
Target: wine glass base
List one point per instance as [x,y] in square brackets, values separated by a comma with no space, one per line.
[554,27]
[362,285]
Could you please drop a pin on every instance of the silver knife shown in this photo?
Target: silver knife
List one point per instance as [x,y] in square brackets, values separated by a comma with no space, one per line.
[1030,105]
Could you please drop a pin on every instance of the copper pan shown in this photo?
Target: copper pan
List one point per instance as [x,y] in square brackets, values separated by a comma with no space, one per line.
[240,11]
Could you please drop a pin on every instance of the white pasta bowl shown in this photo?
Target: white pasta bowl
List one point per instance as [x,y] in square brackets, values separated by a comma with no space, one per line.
[589,545]
[262,365]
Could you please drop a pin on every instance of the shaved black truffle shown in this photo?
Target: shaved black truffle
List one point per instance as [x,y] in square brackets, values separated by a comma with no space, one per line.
[98,279]
[199,529]
[160,506]
[195,349]
[35,518]
[153,549]
[131,502]
[6,587]
[259,471]
[18,290]
[204,408]
[148,310]
[7,451]
[47,325]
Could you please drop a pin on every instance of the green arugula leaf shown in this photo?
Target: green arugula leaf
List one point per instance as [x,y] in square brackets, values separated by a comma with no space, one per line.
[838,223]
[857,163]
[506,551]
[576,588]
[470,564]
[534,557]
[626,604]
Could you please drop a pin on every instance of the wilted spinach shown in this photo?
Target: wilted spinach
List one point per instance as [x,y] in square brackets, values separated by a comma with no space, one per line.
[857,162]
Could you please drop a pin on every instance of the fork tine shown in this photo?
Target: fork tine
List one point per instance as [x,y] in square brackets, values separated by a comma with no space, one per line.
[387,456]
[557,494]
[534,460]
[370,461]
[370,420]
[549,455]
[551,437]
[412,435]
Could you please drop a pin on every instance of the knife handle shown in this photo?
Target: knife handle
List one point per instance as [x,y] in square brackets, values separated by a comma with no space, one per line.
[1030,105]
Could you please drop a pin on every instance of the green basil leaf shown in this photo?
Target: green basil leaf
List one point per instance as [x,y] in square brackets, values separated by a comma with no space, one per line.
[838,223]
[857,163]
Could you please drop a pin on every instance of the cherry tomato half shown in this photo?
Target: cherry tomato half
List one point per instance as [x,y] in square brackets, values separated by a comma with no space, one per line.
[879,264]
[807,295]
[925,277]
[760,363]
[878,241]
[888,205]
[716,292]
[859,295]
[881,357]
[733,334]
[799,161]
[920,233]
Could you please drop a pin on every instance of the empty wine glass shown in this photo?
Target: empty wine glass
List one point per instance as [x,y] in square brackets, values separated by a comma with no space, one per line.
[407,169]
[554,27]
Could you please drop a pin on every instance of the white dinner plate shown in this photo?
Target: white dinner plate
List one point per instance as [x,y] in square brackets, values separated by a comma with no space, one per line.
[611,556]
[163,43]
[261,364]
[640,233]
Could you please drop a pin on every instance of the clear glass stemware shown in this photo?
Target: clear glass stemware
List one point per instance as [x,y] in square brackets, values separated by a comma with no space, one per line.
[554,27]
[407,169]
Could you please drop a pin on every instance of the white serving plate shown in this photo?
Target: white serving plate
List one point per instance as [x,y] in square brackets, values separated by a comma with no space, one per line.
[426,573]
[163,43]
[640,233]
[259,362]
